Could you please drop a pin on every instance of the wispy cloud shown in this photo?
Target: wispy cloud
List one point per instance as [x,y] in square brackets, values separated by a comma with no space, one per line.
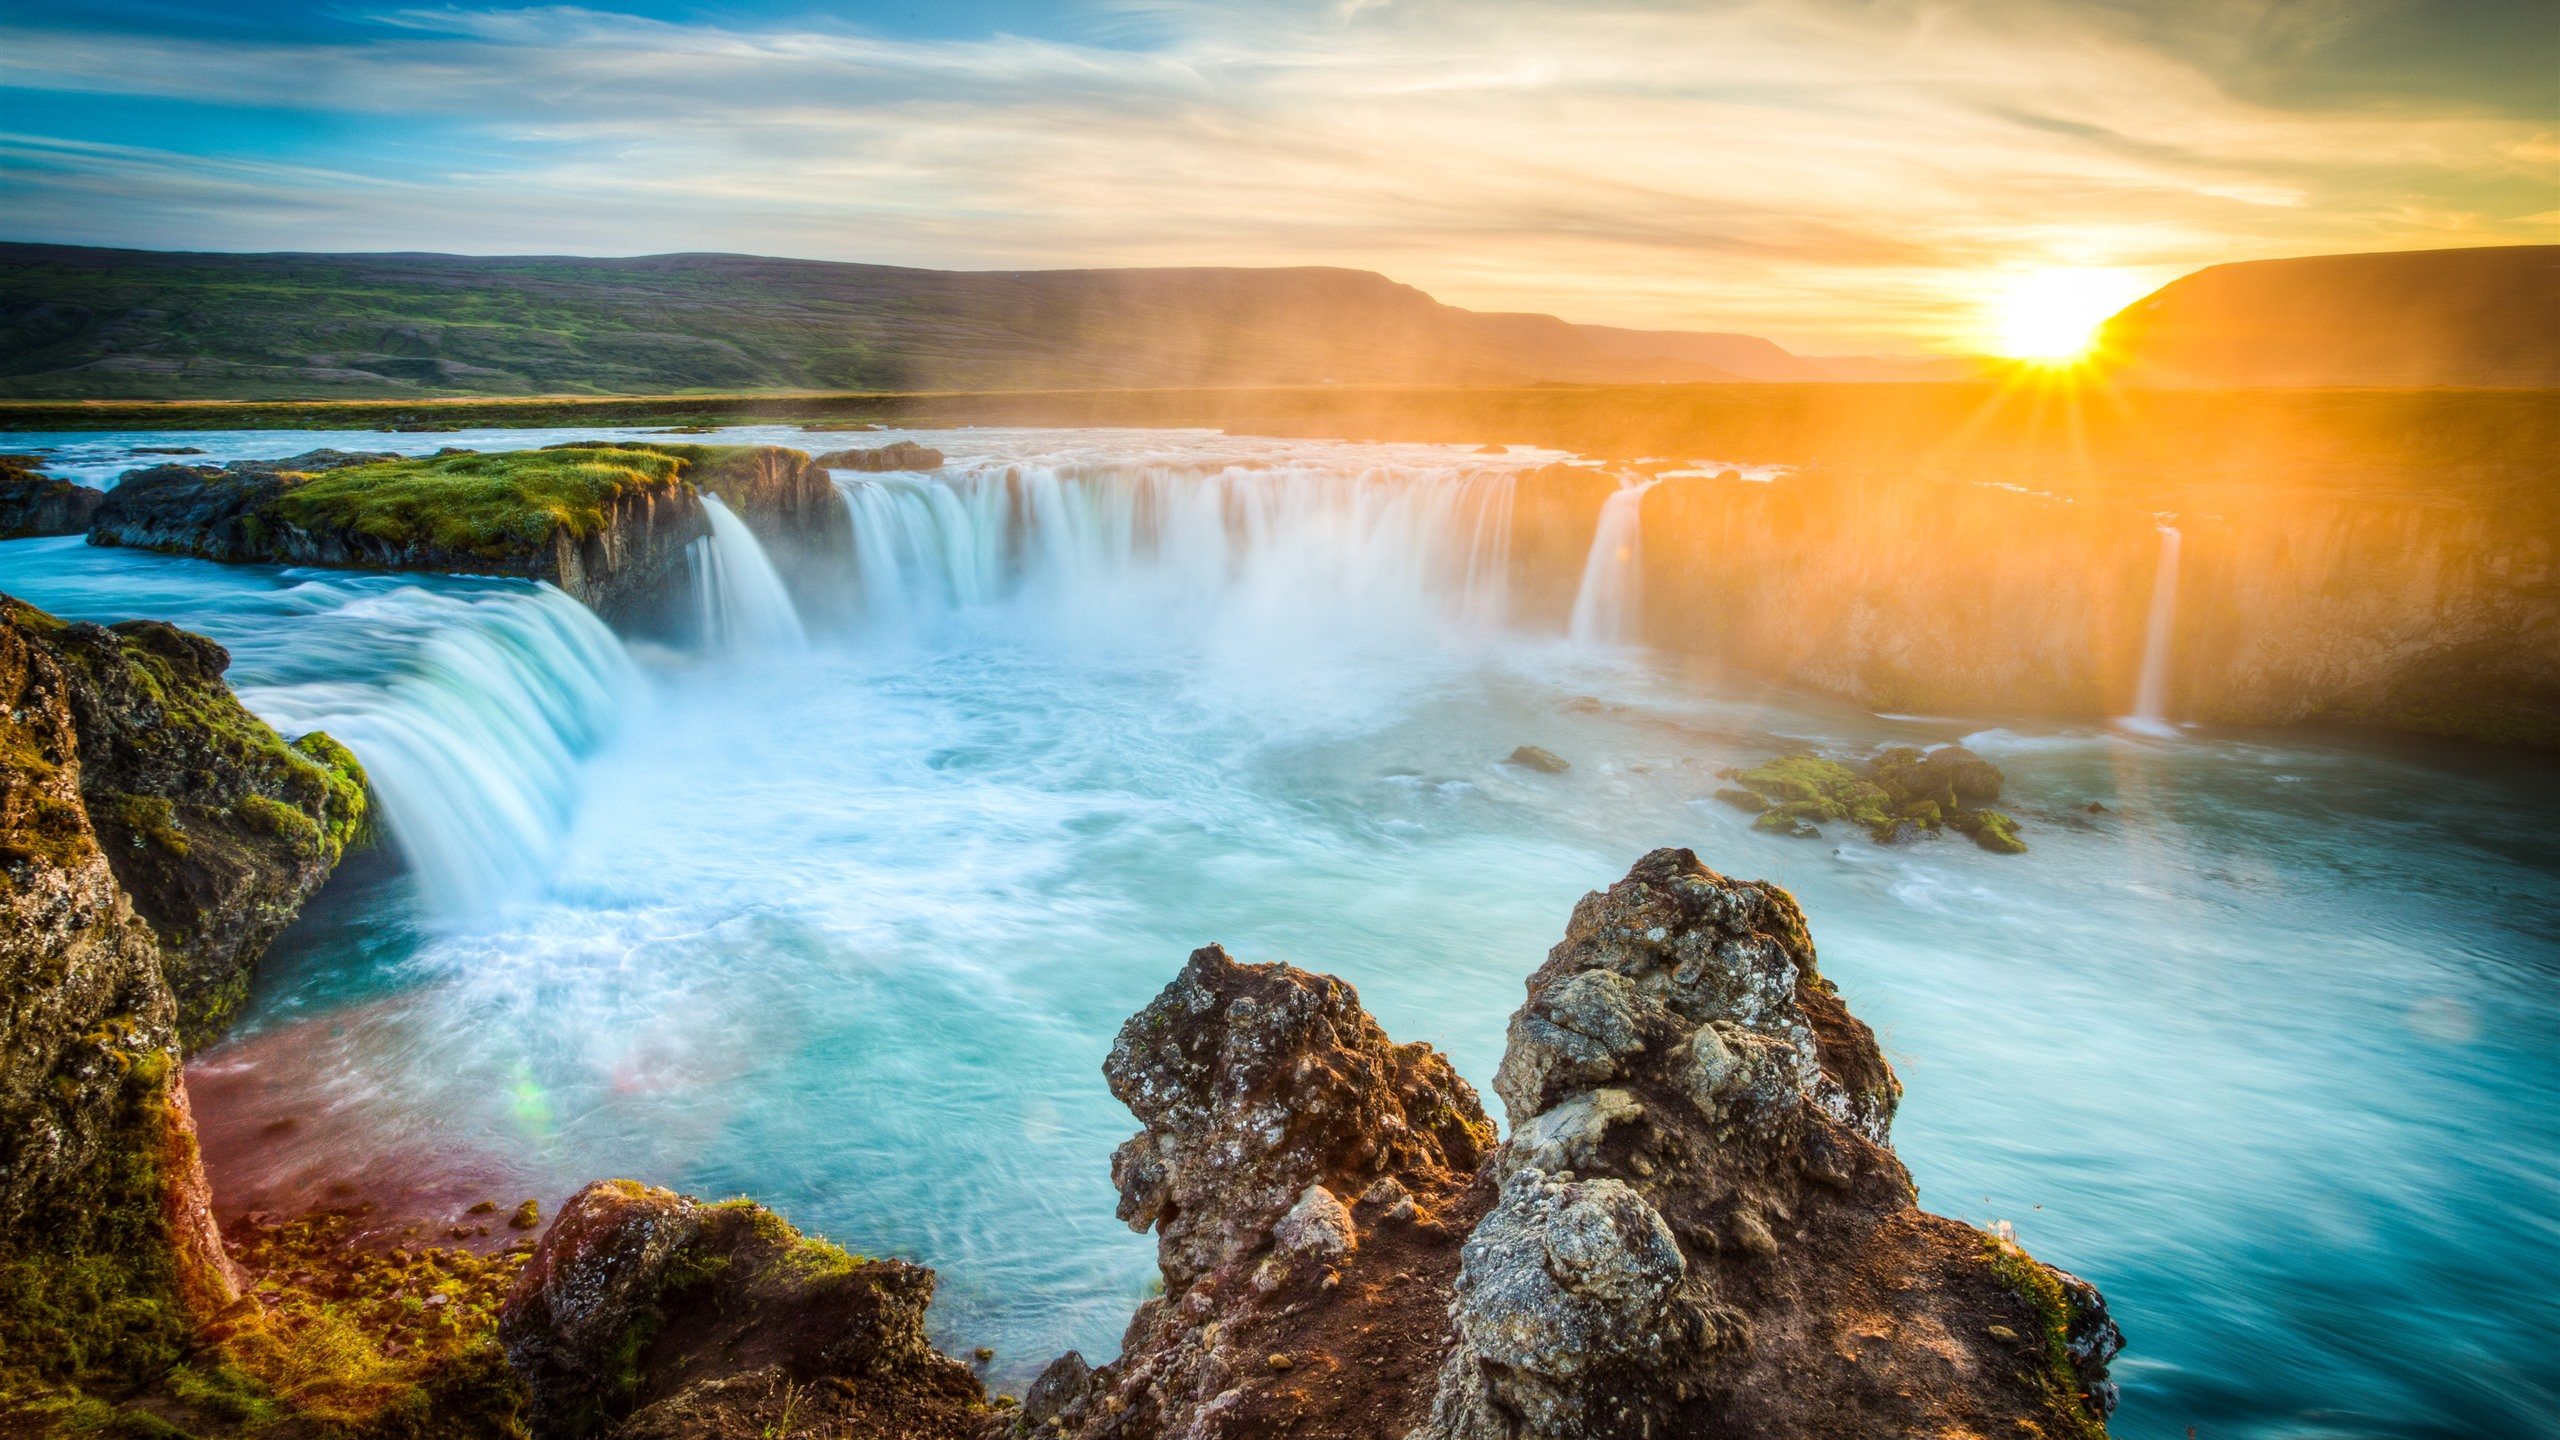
[1837,176]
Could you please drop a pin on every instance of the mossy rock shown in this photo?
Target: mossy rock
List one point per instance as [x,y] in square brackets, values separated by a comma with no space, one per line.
[1991,829]
[495,506]
[1808,787]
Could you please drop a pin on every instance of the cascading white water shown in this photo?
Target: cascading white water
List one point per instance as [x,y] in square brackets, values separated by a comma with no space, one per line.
[2151,693]
[1175,549]
[744,604]
[472,741]
[1606,608]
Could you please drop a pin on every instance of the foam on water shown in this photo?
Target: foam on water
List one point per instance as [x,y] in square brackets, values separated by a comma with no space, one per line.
[2266,1048]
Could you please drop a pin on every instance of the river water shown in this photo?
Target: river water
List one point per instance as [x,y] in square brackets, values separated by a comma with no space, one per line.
[2269,1048]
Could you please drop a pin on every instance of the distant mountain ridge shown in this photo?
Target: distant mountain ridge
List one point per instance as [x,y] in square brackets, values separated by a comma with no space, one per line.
[2487,317]
[90,323]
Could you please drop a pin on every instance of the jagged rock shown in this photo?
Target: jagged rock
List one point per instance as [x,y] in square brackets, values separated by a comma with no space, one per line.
[1268,1094]
[33,504]
[217,828]
[1736,1250]
[109,1258]
[646,1315]
[898,455]
[1950,776]
[1533,757]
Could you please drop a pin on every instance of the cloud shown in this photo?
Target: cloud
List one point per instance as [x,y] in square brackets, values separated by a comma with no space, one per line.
[1838,176]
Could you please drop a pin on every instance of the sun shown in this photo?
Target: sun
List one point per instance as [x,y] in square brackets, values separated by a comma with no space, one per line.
[2052,315]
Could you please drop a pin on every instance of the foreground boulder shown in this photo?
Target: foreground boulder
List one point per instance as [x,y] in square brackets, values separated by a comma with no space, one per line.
[1697,1227]
[1308,1180]
[646,1315]
[33,504]
[153,836]
[1702,1228]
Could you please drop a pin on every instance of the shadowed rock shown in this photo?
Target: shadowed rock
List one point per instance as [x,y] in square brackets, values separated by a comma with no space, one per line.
[33,504]
[646,1315]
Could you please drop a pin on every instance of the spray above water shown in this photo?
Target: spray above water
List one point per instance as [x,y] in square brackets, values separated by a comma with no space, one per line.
[744,605]
[1290,556]
[1606,610]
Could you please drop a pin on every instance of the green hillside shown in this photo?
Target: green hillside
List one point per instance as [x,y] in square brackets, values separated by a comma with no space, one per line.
[81,323]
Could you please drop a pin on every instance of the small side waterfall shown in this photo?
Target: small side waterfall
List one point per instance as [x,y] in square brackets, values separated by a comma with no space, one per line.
[472,739]
[2151,694]
[744,603]
[1607,608]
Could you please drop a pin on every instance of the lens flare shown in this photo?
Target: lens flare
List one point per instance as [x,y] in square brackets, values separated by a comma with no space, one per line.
[2053,315]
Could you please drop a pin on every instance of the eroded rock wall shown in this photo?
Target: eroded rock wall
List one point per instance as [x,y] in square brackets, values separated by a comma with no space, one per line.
[1959,595]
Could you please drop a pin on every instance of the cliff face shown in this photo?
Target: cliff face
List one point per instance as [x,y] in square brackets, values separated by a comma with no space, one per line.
[1697,1226]
[108,1254]
[1956,596]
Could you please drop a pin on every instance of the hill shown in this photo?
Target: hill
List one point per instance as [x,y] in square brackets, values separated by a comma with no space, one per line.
[2488,316]
[85,323]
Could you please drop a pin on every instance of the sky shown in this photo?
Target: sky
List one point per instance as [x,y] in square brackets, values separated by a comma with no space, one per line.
[1840,175]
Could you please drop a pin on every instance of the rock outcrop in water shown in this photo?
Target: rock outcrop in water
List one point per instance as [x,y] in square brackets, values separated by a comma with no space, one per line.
[153,835]
[898,455]
[1702,1226]
[606,521]
[32,504]
[1308,1181]
[645,1315]
[608,524]
[1899,793]
[1698,1226]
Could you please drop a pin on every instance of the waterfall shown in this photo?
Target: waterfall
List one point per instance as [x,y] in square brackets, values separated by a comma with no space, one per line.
[1166,549]
[2151,695]
[471,710]
[1607,607]
[744,603]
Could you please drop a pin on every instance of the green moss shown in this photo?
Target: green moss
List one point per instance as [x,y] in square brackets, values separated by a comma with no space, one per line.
[345,1344]
[89,1286]
[2051,1370]
[346,811]
[1990,829]
[1808,788]
[494,506]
